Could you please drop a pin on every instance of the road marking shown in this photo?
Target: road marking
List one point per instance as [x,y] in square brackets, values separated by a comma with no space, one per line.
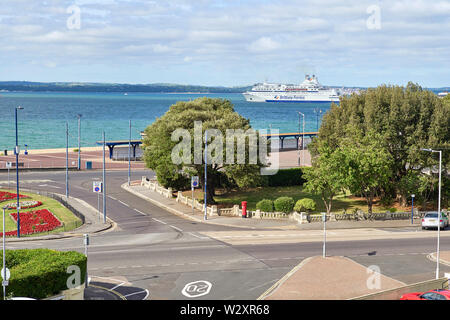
[120,284]
[138,211]
[113,198]
[125,204]
[131,294]
[178,229]
[159,221]
[194,235]
[197,289]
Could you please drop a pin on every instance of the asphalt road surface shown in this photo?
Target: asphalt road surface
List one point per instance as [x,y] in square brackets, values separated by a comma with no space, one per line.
[167,257]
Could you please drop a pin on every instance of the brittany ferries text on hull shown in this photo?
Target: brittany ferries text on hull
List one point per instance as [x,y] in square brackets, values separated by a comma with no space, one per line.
[310,90]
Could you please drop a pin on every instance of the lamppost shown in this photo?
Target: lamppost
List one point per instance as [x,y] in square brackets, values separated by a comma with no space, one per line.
[79,141]
[412,209]
[17,151]
[303,135]
[129,157]
[317,112]
[205,215]
[439,207]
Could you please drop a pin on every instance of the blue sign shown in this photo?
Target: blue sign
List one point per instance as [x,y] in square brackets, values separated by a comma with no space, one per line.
[194,182]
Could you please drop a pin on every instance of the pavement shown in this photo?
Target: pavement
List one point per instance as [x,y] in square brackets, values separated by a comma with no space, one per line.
[329,278]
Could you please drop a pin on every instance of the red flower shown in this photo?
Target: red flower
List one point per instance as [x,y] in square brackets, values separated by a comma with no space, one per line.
[35,222]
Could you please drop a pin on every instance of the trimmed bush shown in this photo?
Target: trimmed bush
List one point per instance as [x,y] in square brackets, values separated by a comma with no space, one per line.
[284,204]
[41,273]
[265,205]
[305,204]
[286,177]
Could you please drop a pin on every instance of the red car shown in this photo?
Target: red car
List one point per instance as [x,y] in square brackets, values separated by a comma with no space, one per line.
[439,294]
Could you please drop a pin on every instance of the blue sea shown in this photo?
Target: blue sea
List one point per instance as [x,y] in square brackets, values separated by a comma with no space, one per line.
[42,122]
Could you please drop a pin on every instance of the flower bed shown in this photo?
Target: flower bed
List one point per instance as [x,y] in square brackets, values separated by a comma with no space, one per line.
[34,222]
[24,205]
[8,196]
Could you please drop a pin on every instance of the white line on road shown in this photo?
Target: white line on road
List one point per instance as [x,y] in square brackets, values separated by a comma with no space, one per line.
[178,229]
[120,284]
[194,235]
[125,204]
[138,211]
[131,294]
[159,221]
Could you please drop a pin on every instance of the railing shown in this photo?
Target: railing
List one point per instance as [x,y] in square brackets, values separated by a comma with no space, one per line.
[301,217]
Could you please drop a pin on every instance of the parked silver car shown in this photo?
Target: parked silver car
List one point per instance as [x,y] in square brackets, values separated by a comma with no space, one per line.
[430,220]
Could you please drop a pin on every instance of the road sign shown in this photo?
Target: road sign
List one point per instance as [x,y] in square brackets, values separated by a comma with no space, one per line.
[197,289]
[194,181]
[7,275]
[97,186]
[8,165]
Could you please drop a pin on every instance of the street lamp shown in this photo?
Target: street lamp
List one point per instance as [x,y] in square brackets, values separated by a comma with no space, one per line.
[317,112]
[439,207]
[17,151]
[79,141]
[303,136]
[412,209]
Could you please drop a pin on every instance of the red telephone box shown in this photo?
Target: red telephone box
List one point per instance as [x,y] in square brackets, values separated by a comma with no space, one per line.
[244,209]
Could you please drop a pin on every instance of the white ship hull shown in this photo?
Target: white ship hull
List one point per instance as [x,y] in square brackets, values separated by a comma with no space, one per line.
[290,97]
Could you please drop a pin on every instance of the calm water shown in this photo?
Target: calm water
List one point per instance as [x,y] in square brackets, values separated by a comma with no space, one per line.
[42,122]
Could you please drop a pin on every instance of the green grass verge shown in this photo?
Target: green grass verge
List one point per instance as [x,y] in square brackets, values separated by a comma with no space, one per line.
[69,220]
[253,196]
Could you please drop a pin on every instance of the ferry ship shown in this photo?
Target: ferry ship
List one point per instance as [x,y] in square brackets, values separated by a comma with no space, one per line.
[310,90]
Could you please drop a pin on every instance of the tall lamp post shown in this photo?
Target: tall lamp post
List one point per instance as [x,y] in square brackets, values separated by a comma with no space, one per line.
[303,135]
[439,208]
[17,151]
[412,208]
[79,141]
[317,112]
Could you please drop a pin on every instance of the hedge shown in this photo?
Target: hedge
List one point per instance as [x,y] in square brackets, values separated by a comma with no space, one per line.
[305,204]
[286,177]
[284,204]
[41,273]
[265,205]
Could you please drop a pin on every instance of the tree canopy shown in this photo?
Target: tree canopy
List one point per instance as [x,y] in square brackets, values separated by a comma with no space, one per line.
[187,121]
[393,123]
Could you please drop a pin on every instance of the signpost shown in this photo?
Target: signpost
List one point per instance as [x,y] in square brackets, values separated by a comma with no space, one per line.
[97,187]
[194,184]
[5,272]
[324,220]
[86,244]
[8,166]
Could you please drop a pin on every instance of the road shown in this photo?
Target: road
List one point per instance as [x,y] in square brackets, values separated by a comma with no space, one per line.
[162,253]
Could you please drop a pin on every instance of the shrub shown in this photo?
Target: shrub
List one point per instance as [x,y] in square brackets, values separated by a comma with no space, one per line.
[265,205]
[392,210]
[286,177]
[305,204]
[40,273]
[284,204]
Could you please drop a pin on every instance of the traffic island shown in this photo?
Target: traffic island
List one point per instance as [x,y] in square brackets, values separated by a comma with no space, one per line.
[329,278]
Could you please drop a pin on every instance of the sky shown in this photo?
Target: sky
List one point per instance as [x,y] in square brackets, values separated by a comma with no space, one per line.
[226,42]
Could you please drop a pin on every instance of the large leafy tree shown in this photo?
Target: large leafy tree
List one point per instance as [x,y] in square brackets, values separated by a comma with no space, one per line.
[326,176]
[193,118]
[406,118]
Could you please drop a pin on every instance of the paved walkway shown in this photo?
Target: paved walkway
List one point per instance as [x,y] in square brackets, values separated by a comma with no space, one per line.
[330,278]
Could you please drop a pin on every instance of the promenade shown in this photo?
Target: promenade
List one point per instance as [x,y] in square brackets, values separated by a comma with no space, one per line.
[56,159]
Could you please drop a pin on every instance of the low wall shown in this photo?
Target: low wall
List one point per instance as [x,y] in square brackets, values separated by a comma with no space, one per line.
[395,294]
[70,294]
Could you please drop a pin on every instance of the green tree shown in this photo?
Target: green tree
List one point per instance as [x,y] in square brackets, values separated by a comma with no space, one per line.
[367,165]
[326,176]
[188,121]
[407,119]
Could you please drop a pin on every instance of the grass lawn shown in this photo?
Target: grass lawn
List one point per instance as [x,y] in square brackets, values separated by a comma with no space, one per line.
[62,213]
[253,196]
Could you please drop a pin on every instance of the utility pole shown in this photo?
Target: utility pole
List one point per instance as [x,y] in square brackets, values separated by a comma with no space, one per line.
[205,216]
[79,141]
[17,151]
[104,179]
[129,158]
[67,160]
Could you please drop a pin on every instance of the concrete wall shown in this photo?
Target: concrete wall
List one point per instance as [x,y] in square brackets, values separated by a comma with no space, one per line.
[395,294]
